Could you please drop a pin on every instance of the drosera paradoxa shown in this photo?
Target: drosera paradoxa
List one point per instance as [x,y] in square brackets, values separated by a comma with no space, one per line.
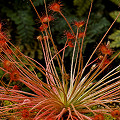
[64,96]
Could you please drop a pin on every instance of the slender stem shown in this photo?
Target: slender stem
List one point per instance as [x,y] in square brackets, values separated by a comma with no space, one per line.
[86,24]
[67,23]
[101,41]
[35,10]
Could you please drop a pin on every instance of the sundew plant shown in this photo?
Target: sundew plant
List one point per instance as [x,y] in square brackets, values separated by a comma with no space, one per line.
[82,93]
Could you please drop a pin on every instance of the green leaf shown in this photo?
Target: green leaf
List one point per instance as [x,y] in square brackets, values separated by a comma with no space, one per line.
[114,15]
[24,23]
[117,2]
[83,6]
[38,2]
[21,26]
[116,37]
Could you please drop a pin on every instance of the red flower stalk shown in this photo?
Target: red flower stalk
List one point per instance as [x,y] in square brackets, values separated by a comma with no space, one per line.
[2,38]
[115,113]
[6,49]
[98,117]
[0,26]
[80,35]
[56,6]
[105,62]
[51,119]
[45,37]
[16,87]
[79,23]
[70,44]
[25,114]
[105,50]
[7,65]
[69,35]
[43,27]
[45,19]
[15,75]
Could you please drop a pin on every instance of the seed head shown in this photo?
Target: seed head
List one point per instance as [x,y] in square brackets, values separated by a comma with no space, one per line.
[15,87]
[105,50]
[69,35]
[115,113]
[98,117]
[45,19]
[56,6]
[80,35]
[79,23]
[43,27]
[70,44]
[14,75]
[7,64]
[25,113]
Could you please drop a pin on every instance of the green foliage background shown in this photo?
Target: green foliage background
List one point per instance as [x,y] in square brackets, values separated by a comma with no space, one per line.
[22,22]
[115,36]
